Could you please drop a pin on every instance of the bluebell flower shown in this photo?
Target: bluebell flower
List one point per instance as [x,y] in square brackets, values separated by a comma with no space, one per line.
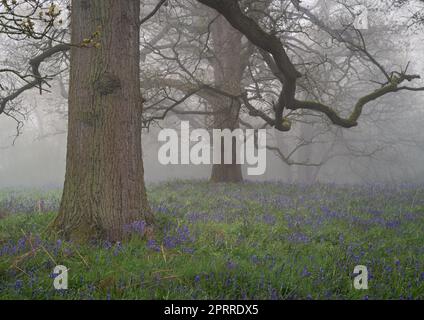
[231,265]
[19,285]
[305,272]
[152,245]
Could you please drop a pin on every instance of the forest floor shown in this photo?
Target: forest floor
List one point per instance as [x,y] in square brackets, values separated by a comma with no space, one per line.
[229,241]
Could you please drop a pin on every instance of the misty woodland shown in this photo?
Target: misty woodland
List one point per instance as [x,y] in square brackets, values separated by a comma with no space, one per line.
[211,149]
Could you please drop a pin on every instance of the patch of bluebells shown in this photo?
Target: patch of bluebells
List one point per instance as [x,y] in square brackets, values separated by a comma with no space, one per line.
[298,237]
[269,219]
[254,259]
[118,248]
[231,265]
[19,284]
[165,209]
[13,248]
[305,212]
[26,201]
[153,245]
[107,245]
[136,227]
[181,235]
[305,273]
[188,250]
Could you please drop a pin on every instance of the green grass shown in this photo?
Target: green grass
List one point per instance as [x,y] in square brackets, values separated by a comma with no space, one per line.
[248,241]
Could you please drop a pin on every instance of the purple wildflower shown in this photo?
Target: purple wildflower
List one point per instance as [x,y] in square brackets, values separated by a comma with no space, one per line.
[152,245]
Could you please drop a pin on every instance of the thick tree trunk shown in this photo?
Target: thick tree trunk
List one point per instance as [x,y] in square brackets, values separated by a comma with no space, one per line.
[104,184]
[226,173]
[228,72]
[227,118]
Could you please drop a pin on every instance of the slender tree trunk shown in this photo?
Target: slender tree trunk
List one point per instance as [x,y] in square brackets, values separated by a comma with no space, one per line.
[104,184]
[307,175]
[228,72]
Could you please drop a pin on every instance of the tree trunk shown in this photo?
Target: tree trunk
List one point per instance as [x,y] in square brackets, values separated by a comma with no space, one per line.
[306,174]
[104,184]
[228,72]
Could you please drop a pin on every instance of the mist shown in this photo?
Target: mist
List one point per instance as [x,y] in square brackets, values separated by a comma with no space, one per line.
[387,146]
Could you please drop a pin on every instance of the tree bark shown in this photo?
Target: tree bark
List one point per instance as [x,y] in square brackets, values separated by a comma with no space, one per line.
[104,187]
[228,72]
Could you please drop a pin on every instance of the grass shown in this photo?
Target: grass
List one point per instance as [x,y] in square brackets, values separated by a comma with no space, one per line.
[229,241]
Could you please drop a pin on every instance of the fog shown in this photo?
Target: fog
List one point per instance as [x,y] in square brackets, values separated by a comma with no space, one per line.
[36,158]
[386,147]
